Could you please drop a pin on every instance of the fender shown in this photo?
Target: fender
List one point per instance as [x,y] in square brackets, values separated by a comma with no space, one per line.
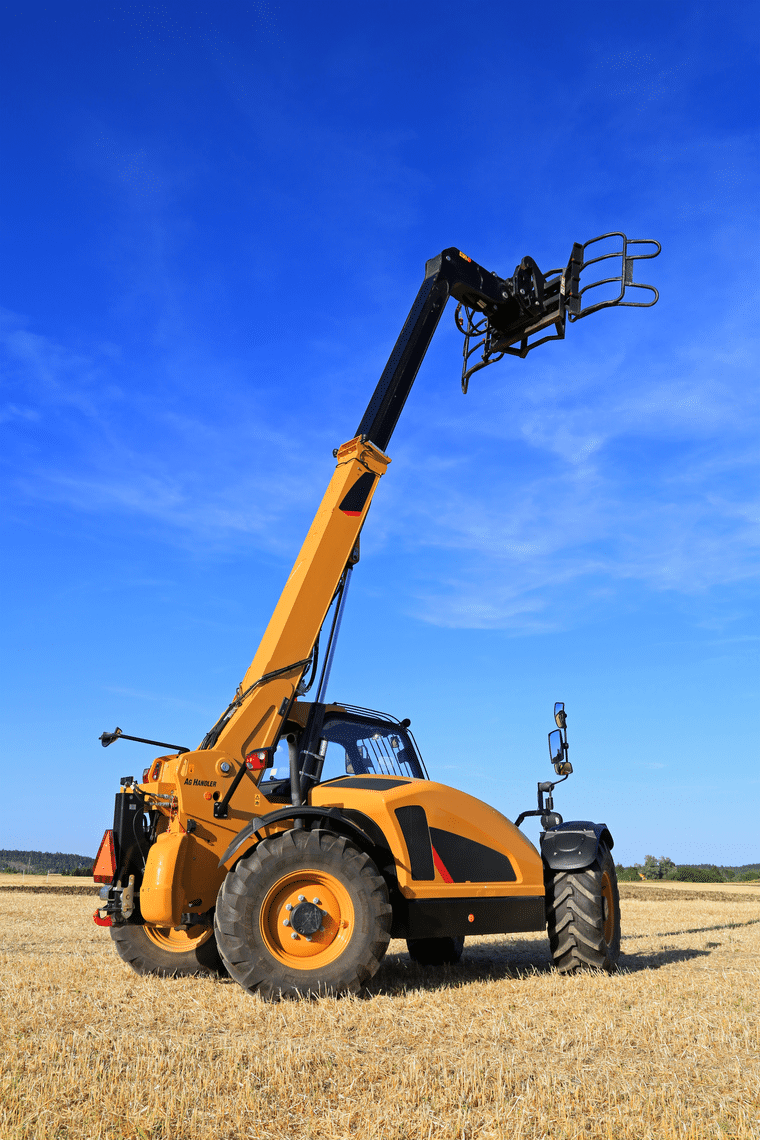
[574,845]
[337,818]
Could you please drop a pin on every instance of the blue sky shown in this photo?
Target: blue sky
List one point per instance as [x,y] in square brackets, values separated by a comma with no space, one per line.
[217,219]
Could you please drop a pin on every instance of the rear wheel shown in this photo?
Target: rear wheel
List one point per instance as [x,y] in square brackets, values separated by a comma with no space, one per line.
[168,952]
[435,951]
[306,913]
[583,916]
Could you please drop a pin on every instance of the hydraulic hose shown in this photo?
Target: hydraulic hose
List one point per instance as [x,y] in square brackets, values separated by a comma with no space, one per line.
[295,776]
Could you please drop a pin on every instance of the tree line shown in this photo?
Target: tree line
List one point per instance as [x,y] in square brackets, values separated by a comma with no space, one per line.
[665,868]
[40,862]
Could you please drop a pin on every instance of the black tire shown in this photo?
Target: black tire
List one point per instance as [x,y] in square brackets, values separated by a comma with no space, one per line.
[266,954]
[583,916]
[167,952]
[435,951]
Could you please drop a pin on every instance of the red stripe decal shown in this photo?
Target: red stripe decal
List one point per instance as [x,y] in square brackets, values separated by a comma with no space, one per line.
[353,514]
[440,867]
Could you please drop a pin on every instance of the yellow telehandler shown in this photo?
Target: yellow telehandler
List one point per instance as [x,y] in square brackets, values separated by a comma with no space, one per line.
[294,882]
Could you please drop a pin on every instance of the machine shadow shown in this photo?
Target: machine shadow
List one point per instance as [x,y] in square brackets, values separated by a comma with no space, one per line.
[514,959]
[696,929]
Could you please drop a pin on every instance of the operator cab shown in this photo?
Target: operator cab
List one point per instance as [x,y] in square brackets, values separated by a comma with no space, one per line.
[357,742]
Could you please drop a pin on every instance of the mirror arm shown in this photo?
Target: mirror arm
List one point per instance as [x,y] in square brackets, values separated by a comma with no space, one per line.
[545,786]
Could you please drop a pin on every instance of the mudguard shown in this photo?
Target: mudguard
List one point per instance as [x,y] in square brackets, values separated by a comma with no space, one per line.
[328,815]
[574,845]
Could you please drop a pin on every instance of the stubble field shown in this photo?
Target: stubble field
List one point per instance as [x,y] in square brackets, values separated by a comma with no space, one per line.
[499,1046]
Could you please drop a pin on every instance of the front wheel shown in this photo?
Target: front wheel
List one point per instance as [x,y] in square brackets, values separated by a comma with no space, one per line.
[583,916]
[305,914]
[166,951]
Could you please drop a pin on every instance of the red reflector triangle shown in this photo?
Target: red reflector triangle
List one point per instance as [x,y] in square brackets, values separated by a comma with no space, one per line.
[105,860]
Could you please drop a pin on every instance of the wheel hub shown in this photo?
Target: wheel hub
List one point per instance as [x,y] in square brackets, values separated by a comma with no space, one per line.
[306,918]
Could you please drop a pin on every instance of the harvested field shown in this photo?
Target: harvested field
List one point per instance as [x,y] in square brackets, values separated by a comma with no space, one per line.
[49,884]
[498,1047]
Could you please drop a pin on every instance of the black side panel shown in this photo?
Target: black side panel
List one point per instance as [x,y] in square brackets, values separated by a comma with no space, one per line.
[414,827]
[355,498]
[131,844]
[470,862]
[369,783]
[447,918]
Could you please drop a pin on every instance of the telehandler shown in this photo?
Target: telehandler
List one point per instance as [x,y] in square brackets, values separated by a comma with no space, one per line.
[295,883]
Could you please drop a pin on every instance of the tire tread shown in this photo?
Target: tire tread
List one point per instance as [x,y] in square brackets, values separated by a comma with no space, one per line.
[575,917]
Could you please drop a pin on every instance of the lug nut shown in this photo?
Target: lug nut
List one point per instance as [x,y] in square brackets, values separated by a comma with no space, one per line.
[315,901]
[286,922]
[302,898]
[288,906]
[294,935]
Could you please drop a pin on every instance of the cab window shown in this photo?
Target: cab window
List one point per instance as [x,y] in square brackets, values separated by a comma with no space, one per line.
[368,749]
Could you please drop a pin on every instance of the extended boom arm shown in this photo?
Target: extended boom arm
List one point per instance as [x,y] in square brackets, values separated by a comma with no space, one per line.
[503,316]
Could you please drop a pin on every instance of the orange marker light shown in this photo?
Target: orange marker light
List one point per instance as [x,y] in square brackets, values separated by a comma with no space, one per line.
[207,795]
[470,917]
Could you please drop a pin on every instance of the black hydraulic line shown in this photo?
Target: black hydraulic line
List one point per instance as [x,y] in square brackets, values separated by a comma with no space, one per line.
[303,688]
[211,737]
[332,641]
[222,807]
[293,769]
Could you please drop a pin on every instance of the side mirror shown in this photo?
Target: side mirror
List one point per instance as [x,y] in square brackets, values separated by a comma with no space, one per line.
[560,716]
[558,752]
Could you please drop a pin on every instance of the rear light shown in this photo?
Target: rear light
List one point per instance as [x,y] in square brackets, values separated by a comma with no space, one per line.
[258,759]
[105,860]
[156,770]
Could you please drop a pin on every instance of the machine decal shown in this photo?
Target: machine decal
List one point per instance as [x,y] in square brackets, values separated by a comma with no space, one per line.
[414,827]
[470,862]
[353,501]
[440,868]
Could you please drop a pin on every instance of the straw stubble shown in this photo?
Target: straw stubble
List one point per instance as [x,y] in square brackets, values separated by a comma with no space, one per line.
[499,1046]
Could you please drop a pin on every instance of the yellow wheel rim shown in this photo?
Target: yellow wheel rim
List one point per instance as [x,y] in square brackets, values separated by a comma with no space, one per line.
[307,951]
[608,908]
[178,941]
